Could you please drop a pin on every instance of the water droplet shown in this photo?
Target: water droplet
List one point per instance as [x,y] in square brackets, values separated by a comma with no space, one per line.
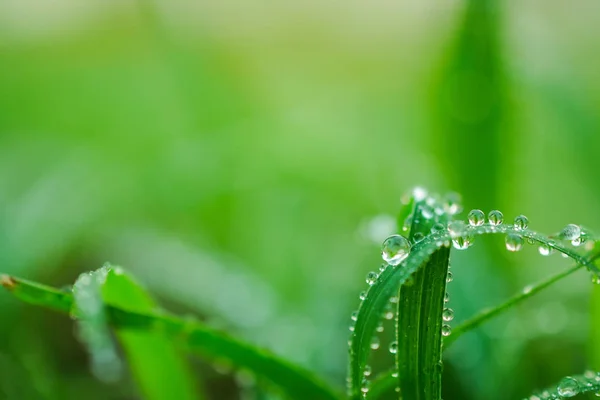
[495,217]
[446,330]
[514,242]
[456,228]
[367,371]
[426,211]
[395,373]
[446,297]
[417,237]
[448,314]
[595,279]
[379,327]
[570,232]
[395,249]
[388,315]
[449,277]
[568,387]
[458,232]
[545,250]
[452,203]
[372,278]
[394,299]
[419,193]
[462,242]
[437,227]
[362,295]
[354,315]
[530,240]
[375,343]
[476,217]
[393,347]
[521,222]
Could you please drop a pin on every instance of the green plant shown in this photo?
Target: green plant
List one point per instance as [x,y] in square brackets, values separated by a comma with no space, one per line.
[413,279]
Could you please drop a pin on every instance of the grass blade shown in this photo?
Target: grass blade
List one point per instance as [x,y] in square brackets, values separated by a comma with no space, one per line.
[293,381]
[158,367]
[419,322]
[571,386]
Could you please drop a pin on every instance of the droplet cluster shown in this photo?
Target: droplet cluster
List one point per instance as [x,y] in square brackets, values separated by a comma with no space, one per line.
[571,386]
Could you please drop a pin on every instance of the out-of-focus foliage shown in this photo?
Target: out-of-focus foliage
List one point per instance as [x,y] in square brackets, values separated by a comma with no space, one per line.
[262,146]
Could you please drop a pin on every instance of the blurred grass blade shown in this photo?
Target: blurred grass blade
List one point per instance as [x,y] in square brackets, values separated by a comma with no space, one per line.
[594,343]
[92,325]
[293,381]
[572,386]
[158,367]
[419,322]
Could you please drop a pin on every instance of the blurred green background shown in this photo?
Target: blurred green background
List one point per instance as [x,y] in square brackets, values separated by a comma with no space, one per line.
[244,160]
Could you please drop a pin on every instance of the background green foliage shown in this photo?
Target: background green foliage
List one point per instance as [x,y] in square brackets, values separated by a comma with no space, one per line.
[234,156]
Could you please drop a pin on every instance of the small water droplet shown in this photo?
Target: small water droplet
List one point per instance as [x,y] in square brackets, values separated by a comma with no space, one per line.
[570,232]
[426,211]
[448,314]
[545,250]
[388,315]
[375,343]
[437,227]
[449,277]
[395,249]
[393,347]
[379,327]
[595,279]
[419,193]
[495,217]
[417,237]
[568,387]
[452,203]
[362,295]
[514,242]
[446,330]
[446,297]
[395,373]
[530,240]
[367,371]
[372,278]
[458,232]
[527,289]
[354,315]
[476,217]
[521,222]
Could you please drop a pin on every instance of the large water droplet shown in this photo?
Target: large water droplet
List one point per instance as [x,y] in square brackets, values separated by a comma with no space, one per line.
[458,232]
[514,242]
[570,232]
[495,217]
[372,278]
[476,217]
[393,347]
[545,250]
[446,330]
[395,249]
[448,314]
[521,222]
[568,387]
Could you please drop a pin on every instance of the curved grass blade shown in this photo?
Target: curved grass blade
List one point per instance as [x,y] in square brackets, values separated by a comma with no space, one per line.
[571,386]
[293,381]
[92,324]
[388,281]
[157,366]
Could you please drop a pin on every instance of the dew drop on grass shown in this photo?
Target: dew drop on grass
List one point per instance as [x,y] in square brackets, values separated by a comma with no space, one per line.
[379,327]
[495,217]
[354,315]
[362,295]
[375,343]
[372,278]
[395,373]
[446,297]
[570,232]
[395,249]
[521,222]
[476,217]
[437,227]
[446,330]
[568,387]
[367,371]
[393,347]
[452,203]
[458,232]
[417,237]
[595,279]
[448,314]
[426,211]
[545,250]
[514,242]
[449,277]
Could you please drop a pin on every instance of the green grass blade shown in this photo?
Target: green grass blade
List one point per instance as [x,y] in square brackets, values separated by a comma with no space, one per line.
[419,322]
[571,386]
[292,380]
[157,366]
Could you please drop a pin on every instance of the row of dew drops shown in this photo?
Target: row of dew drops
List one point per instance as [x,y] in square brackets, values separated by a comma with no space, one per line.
[572,386]
[396,249]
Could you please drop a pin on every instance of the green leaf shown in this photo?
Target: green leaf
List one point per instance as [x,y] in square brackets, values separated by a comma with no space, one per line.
[292,380]
[158,367]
